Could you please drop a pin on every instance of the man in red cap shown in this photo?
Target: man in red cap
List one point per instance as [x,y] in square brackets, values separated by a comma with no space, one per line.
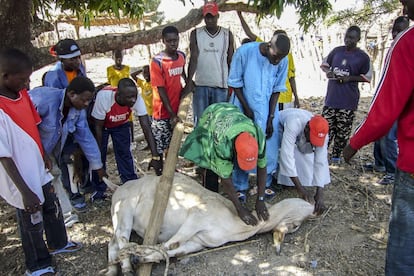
[211,50]
[304,153]
[226,138]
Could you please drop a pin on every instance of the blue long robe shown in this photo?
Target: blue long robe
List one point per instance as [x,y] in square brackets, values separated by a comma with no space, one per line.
[259,79]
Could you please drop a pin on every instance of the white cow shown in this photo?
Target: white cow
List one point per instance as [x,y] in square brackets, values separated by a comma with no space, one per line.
[195,218]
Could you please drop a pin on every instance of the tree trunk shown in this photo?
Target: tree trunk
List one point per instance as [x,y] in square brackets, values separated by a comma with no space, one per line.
[15,24]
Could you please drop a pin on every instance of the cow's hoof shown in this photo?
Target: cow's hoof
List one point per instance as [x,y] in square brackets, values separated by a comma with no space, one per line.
[174,245]
[134,259]
[110,271]
[277,249]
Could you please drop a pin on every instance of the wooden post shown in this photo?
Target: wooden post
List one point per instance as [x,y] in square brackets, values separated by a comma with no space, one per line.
[163,190]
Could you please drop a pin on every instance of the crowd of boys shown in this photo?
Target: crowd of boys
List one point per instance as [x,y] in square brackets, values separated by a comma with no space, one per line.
[234,135]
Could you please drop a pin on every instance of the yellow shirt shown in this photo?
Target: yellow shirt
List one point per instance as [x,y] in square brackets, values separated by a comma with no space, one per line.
[146,94]
[286,97]
[114,75]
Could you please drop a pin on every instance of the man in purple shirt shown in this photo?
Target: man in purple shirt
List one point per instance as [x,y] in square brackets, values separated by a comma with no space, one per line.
[345,67]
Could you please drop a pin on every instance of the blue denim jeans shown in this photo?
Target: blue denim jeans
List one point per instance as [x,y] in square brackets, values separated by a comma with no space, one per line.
[241,178]
[400,249]
[386,150]
[204,96]
[34,247]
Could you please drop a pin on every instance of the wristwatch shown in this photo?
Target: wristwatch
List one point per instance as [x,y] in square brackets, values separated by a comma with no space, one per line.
[157,158]
[260,198]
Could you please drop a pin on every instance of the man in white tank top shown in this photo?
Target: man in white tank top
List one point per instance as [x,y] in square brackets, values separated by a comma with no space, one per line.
[211,49]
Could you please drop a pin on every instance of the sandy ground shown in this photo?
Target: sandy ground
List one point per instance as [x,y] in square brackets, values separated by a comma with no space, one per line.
[348,239]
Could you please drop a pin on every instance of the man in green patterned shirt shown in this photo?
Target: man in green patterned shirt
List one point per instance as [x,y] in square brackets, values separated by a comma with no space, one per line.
[224,138]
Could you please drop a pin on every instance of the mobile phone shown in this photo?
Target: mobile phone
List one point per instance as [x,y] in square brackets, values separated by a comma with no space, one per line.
[36,218]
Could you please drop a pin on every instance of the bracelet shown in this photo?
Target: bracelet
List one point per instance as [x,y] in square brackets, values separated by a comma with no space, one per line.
[157,158]
[271,116]
[260,198]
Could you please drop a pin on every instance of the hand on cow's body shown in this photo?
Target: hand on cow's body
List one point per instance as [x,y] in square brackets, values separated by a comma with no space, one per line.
[305,195]
[261,210]
[319,204]
[246,216]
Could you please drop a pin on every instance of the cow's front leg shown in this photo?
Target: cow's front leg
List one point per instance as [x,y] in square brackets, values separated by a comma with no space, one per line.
[186,233]
[113,250]
[186,248]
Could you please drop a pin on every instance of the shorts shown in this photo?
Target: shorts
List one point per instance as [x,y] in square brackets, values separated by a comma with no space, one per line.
[162,132]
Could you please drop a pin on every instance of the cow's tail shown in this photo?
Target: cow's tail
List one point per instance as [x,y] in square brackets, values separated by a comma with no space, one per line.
[110,184]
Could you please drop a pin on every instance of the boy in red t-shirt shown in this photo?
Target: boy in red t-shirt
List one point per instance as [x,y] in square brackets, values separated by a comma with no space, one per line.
[24,181]
[167,68]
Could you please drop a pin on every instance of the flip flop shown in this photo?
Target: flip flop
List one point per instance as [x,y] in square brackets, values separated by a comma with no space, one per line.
[71,246]
[242,196]
[269,193]
[40,272]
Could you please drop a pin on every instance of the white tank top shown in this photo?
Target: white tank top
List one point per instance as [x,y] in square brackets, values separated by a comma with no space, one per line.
[212,69]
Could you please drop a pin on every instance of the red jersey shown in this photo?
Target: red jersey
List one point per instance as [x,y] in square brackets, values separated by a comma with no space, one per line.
[393,101]
[114,115]
[24,114]
[166,72]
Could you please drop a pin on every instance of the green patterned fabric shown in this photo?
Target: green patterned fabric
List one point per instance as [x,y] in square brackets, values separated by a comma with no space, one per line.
[211,144]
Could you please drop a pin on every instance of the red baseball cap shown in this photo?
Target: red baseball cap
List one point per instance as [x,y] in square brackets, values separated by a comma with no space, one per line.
[319,127]
[211,8]
[247,151]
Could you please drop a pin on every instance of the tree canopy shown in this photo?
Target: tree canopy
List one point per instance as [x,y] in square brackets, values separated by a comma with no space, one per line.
[20,18]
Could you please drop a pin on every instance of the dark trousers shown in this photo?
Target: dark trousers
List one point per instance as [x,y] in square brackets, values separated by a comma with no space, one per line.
[121,141]
[34,247]
[210,180]
[386,150]
[340,127]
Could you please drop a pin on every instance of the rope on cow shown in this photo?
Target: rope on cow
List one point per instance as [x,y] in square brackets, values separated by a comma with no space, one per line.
[141,250]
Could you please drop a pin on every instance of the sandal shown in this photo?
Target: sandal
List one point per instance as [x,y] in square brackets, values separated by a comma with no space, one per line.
[269,193]
[242,196]
[44,271]
[71,246]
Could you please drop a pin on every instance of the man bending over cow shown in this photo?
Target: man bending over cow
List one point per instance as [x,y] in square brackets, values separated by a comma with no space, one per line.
[225,138]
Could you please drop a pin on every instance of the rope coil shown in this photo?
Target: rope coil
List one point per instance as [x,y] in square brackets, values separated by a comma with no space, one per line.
[141,250]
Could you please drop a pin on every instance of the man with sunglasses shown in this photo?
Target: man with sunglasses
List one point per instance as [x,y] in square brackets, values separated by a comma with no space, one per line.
[258,74]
